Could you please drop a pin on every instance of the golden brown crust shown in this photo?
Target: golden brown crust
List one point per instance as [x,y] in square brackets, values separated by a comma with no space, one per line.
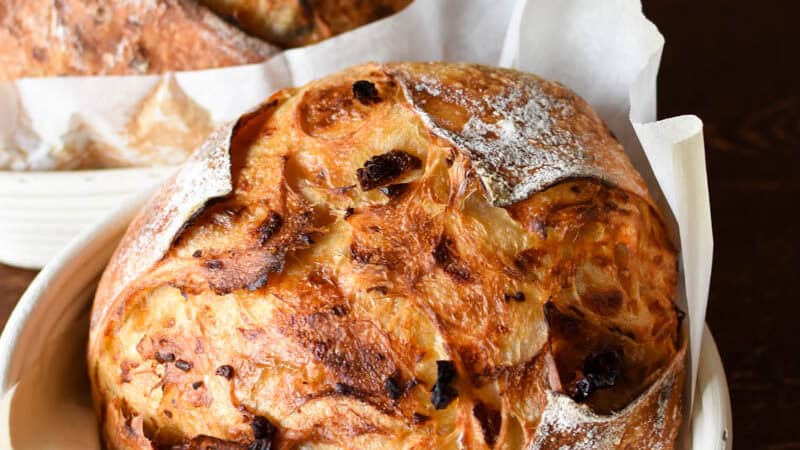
[293,23]
[362,278]
[92,37]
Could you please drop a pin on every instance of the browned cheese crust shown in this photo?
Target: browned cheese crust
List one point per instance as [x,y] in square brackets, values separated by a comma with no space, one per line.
[100,37]
[293,23]
[357,288]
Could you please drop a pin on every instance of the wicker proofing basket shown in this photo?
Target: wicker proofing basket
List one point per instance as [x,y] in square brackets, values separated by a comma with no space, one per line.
[35,223]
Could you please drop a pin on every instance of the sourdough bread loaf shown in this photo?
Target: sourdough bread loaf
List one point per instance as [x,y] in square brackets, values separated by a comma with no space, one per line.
[396,256]
[40,38]
[294,23]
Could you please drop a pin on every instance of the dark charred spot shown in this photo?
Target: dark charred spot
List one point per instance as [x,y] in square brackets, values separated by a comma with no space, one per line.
[213,264]
[517,297]
[604,368]
[184,365]
[349,212]
[321,278]
[539,226]
[441,254]
[258,282]
[600,371]
[269,227]
[610,206]
[365,92]
[305,239]
[443,393]
[307,8]
[379,289]
[603,303]
[446,257]
[164,357]
[343,389]
[129,431]
[203,442]
[348,350]
[617,330]
[39,54]
[100,15]
[529,259]
[394,190]
[418,418]
[330,112]
[125,370]
[344,189]
[382,169]
[168,413]
[197,385]
[451,157]
[339,310]
[247,270]
[490,419]
[560,323]
[584,387]
[365,255]
[382,10]
[458,272]
[393,388]
[231,19]
[262,428]
[197,254]
[139,61]
[182,290]
[251,334]
[225,371]
[577,312]
[491,135]
[320,350]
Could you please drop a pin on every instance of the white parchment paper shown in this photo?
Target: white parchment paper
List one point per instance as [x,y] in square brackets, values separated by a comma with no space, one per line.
[605,50]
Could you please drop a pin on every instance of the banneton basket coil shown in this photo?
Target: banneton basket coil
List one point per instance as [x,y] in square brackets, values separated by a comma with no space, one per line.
[40,212]
[43,371]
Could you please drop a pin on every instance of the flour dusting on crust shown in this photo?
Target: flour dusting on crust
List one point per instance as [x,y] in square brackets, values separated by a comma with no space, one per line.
[570,425]
[521,138]
[205,175]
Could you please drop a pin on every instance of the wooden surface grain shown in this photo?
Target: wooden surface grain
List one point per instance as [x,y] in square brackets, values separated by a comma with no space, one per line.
[12,284]
[736,64]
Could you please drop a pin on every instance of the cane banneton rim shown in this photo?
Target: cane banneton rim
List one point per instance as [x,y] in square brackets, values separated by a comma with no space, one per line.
[396,256]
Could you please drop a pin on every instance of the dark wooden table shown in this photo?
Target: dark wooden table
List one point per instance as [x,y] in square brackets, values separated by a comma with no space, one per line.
[736,64]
